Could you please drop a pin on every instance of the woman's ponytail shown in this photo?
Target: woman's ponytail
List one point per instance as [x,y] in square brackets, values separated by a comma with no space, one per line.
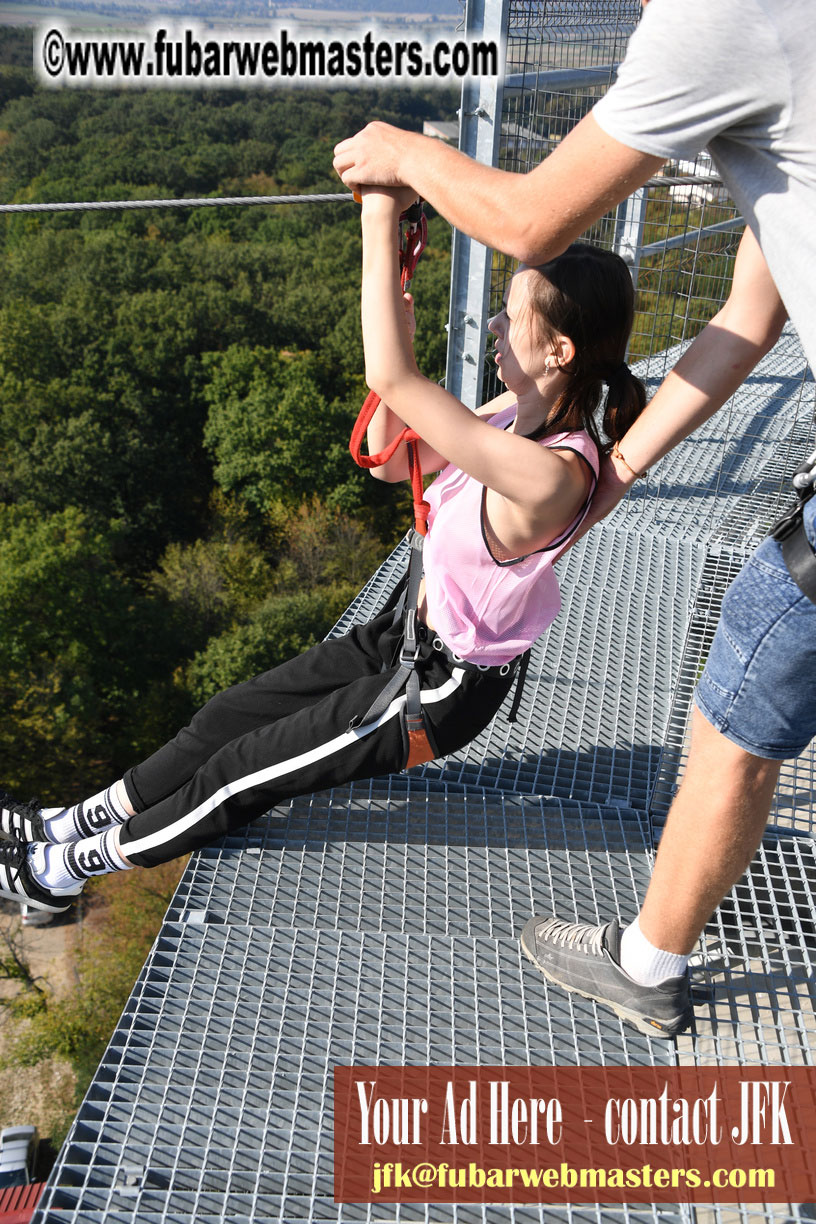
[625,400]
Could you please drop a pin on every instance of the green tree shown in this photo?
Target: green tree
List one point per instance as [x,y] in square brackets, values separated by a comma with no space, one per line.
[272,431]
[177,388]
[78,646]
[211,583]
[284,626]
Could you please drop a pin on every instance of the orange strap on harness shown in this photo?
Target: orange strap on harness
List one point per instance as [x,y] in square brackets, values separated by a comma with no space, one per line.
[413,237]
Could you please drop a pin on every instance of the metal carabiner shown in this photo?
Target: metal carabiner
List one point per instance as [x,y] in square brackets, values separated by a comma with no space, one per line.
[413,226]
[805,476]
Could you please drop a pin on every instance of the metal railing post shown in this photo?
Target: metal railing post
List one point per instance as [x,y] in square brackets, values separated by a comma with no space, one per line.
[629,222]
[479,137]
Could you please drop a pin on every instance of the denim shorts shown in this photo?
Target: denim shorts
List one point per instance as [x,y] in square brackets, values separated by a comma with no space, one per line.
[758,688]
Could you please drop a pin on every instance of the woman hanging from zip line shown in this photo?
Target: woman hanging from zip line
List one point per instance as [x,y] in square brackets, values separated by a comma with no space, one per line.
[515,482]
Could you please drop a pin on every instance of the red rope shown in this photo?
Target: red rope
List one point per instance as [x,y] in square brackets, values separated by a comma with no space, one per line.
[411,247]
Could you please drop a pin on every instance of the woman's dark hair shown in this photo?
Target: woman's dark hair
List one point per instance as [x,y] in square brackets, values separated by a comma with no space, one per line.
[587,295]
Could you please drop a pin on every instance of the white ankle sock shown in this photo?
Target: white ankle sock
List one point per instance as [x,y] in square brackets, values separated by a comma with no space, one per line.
[100,812]
[46,862]
[65,868]
[645,963]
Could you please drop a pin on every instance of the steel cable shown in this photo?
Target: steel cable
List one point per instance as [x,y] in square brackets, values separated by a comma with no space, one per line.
[206,202]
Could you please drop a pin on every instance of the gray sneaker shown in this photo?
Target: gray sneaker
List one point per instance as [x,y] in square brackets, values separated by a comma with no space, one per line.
[586,959]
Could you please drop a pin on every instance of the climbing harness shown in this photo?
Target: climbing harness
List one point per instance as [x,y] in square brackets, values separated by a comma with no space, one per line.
[413,238]
[797,550]
[421,747]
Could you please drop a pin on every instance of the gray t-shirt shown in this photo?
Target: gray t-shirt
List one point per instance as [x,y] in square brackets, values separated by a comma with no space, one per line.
[737,77]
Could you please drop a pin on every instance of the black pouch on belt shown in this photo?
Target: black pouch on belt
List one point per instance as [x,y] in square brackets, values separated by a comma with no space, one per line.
[797,551]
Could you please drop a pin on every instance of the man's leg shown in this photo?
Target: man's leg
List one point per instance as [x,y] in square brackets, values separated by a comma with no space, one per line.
[712,833]
[756,706]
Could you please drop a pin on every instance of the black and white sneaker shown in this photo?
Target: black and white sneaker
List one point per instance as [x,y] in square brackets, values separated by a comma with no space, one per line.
[586,959]
[18,884]
[21,821]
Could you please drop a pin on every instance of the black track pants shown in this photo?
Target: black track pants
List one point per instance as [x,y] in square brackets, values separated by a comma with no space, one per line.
[293,730]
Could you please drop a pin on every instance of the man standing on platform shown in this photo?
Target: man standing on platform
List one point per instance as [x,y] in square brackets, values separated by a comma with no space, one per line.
[735,77]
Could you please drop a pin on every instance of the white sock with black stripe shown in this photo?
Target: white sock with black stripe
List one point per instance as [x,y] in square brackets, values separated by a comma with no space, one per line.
[66,868]
[100,812]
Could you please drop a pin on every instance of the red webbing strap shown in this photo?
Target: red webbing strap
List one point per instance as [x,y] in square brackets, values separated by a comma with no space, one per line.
[412,244]
[421,508]
[358,433]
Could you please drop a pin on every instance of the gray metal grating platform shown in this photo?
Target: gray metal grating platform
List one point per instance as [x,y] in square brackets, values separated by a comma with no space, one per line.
[415,858]
[243,1126]
[378,923]
[742,457]
[755,990]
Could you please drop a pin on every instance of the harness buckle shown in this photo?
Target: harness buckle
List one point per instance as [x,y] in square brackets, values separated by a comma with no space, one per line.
[413,214]
[413,228]
[409,651]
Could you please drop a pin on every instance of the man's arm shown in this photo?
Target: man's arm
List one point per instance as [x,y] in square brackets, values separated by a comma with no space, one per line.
[533,216]
[705,377]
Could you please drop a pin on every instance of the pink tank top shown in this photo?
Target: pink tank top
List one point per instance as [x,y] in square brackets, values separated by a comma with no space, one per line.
[489,611]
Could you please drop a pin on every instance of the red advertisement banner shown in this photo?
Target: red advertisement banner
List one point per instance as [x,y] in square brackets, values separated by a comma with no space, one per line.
[575,1134]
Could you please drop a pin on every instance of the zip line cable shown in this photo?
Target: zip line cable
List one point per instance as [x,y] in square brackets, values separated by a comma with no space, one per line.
[206,202]
[660,180]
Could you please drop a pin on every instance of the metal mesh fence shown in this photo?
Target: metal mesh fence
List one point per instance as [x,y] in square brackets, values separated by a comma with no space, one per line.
[680,288]
[560,60]
[680,233]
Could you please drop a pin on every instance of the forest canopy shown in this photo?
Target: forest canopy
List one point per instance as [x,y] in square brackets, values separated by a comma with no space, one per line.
[176,392]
